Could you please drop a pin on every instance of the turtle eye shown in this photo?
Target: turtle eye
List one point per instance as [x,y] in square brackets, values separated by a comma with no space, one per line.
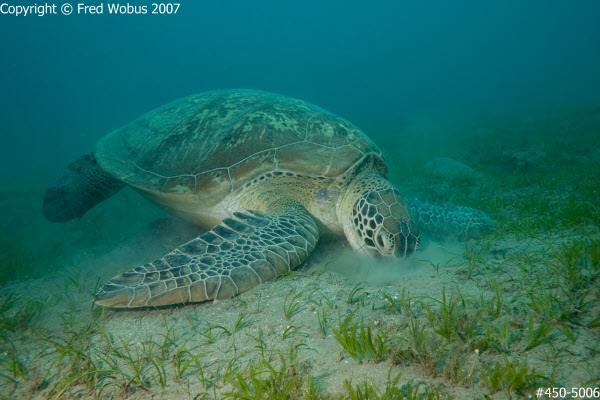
[384,241]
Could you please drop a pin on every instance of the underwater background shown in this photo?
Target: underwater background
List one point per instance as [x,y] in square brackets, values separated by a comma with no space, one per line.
[68,80]
[492,105]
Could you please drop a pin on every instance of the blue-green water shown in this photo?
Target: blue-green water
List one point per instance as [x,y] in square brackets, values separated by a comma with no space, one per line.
[489,105]
[67,80]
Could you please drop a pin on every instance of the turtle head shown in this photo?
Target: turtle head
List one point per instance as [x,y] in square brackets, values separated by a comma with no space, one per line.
[376,220]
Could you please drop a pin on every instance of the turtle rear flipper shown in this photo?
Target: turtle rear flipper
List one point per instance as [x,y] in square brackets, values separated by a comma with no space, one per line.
[234,256]
[83,185]
[444,221]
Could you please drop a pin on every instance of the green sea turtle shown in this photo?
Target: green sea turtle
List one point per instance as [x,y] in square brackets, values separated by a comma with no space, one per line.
[266,174]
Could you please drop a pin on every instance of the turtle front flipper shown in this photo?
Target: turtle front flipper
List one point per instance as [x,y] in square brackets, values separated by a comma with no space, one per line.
[444,221]
[231,258]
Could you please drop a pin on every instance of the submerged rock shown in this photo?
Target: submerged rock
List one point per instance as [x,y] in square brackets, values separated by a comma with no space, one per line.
[450,167]
[524,159]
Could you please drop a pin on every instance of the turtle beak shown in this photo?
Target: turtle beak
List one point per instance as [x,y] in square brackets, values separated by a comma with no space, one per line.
[406,244]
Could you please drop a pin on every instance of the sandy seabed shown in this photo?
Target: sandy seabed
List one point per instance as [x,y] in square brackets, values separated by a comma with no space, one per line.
[497,317]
